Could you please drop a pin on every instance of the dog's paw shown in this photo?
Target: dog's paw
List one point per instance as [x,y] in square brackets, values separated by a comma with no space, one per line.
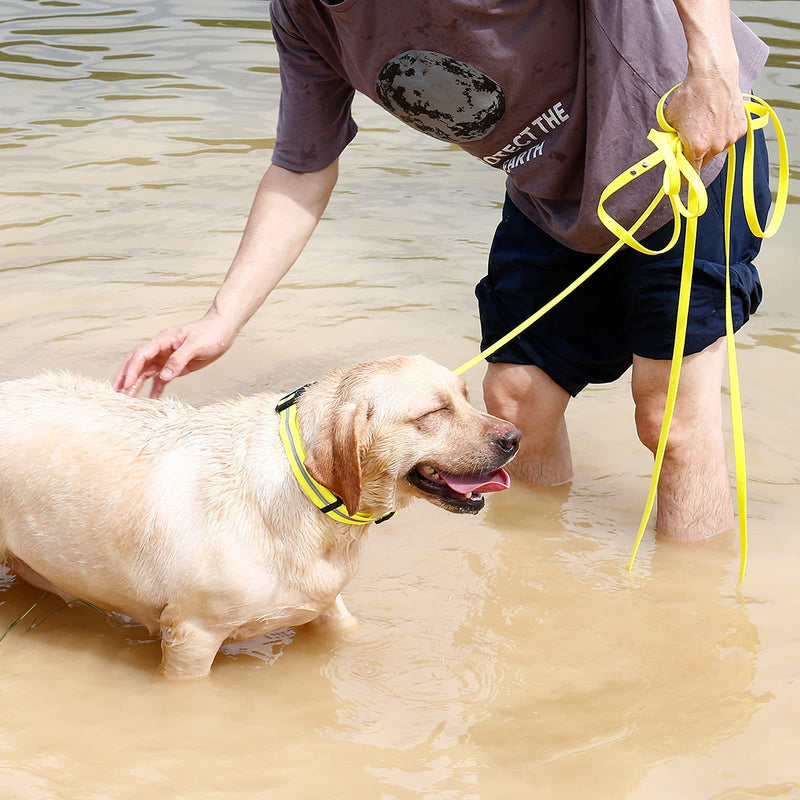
[338,617]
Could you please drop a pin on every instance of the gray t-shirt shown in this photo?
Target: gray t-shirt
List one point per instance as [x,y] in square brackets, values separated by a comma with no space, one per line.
[560,94]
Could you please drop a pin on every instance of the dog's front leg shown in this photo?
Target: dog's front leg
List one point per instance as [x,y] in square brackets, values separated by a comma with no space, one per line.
[187,647]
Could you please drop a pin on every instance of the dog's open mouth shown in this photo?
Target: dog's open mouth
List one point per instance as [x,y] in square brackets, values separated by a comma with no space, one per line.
[459,493]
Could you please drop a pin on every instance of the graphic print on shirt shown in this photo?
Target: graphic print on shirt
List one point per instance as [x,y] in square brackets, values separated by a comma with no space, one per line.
[449,100]
[527,142]
[440,96]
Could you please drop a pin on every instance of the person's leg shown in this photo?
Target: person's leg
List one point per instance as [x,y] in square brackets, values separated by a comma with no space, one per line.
[582,340]
[694,490]
[526,396]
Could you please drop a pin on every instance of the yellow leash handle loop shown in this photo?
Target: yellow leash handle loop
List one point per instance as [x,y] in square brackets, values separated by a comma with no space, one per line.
[677,169]
[759,115]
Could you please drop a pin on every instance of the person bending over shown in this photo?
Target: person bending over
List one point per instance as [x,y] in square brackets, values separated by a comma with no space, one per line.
[558,94]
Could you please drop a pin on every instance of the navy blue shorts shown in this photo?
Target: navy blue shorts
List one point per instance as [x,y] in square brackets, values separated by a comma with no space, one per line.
[630,304]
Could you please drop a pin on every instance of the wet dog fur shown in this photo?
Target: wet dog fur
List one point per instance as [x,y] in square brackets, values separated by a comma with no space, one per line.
[190,521]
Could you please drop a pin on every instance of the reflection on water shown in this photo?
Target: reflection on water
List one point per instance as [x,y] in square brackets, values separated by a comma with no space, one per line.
[501,656]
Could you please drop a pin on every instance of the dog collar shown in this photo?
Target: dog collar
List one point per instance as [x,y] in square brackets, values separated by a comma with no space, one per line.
[324,499]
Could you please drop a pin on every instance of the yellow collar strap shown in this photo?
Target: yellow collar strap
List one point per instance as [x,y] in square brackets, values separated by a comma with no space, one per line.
[324,499]
[669,151]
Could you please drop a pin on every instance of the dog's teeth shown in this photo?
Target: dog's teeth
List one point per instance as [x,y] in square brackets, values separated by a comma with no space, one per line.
[428,470]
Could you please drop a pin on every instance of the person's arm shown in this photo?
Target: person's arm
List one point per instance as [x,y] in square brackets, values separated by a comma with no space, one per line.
[707,109]
[286,209]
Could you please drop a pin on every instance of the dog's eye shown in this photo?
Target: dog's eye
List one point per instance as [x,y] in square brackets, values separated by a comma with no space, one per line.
[440,410]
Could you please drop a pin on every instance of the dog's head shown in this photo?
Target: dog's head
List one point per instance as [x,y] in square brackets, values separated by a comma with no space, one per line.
[384,431]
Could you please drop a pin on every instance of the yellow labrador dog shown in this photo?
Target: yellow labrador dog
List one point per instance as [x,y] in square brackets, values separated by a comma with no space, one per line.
[198,523]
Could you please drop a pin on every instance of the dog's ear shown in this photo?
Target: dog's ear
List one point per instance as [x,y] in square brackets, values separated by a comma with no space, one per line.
[336,459]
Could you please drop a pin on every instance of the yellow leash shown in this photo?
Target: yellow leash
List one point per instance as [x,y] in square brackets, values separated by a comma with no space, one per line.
[677,168]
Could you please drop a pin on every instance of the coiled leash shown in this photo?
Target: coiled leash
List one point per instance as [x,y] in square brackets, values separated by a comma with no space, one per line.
[677,168]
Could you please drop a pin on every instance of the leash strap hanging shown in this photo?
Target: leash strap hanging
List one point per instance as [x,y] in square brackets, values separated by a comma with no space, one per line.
[677,168]
[758,115]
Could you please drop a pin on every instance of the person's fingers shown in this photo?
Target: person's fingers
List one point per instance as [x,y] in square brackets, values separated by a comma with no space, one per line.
[133,370]
[186,358]
[134,388]
[119,380]
[176,363]
[157,388]
[136,363]
[136,385]
[689,151]
[147,360]
[170,354]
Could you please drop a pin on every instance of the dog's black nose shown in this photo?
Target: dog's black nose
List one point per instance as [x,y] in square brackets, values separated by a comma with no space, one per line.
[508,440]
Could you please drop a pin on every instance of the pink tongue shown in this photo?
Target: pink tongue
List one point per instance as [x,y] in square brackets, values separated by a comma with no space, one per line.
[488,482]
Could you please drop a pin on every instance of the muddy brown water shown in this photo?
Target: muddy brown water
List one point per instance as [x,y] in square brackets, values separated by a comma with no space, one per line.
[506,655]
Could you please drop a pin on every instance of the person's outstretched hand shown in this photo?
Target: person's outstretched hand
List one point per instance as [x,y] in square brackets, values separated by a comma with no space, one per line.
[174,352]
